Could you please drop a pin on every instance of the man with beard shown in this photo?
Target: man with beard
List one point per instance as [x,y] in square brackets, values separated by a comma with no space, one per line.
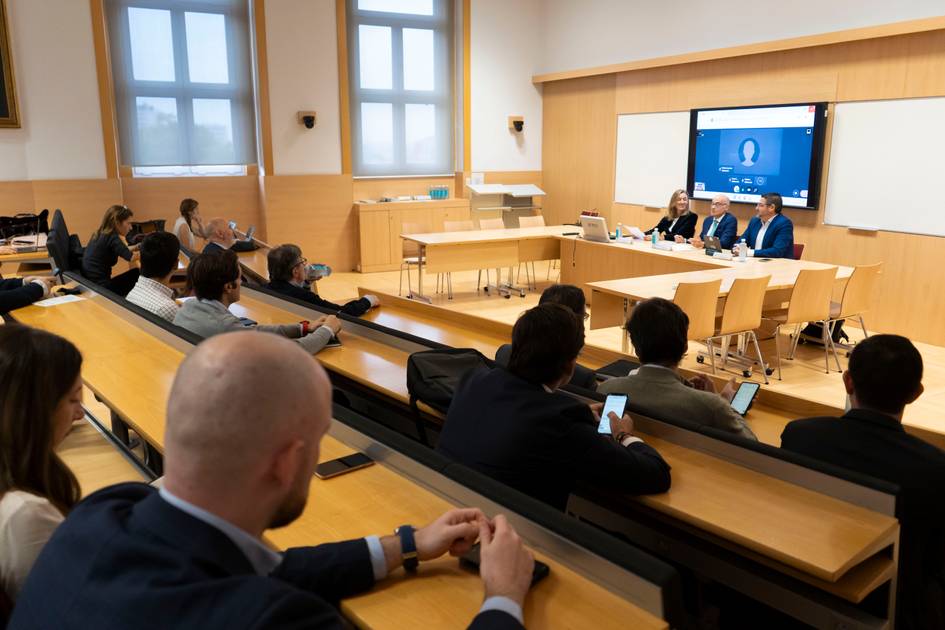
[191,555]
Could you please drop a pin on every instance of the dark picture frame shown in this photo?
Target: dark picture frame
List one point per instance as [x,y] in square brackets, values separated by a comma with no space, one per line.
[9,114]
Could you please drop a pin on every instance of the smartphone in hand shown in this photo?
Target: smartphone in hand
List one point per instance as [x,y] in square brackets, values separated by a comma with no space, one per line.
[616,403]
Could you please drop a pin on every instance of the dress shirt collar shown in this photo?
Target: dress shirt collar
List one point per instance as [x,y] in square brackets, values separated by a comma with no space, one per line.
[156,287]
[215,303]
[263,559]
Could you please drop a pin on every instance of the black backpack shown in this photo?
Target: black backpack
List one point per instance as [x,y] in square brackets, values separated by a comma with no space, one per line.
[434,375]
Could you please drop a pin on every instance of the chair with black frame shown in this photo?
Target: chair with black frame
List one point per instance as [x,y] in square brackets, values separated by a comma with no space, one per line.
[65,248]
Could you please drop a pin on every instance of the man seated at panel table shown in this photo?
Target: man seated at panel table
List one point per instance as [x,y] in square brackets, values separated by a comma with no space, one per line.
[220,236]
[160,252]
[572,297]
[288,275]
[191,555]
[885,375]
[19,292]
[512,424]
[215,278]
[770,234]
[658,331]
[720,224]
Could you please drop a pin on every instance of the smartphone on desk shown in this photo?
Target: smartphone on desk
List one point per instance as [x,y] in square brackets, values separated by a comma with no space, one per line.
[334,342]
[342,465]
[471,560]
[616,403]
[744,397]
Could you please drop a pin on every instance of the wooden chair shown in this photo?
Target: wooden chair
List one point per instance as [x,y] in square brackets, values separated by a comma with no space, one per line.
[452,226]
[741,315]
[410,254]
[798,250]
[810,302]
[699,300]
[490,224]
[857,297]
[526,222]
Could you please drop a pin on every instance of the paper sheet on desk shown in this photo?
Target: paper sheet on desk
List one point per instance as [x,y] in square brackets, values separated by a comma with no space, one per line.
[62,299]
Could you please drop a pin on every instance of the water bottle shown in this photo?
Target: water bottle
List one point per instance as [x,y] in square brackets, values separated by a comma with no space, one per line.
[316,272]
[654,237]
[742,250]
[618,232]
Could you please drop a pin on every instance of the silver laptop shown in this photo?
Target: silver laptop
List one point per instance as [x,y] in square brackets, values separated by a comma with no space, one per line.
[712,245]
[595,229]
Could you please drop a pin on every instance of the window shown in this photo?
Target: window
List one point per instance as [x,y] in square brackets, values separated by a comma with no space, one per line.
[400,60]
[183,85]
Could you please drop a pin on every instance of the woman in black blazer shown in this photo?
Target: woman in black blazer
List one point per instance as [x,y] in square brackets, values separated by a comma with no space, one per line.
[679,220]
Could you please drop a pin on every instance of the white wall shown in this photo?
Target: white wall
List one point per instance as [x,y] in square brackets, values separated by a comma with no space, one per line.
[505,50]
[57,91]
[600,32]
[302,44]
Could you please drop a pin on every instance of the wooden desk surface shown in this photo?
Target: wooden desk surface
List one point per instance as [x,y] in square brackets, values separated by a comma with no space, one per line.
[37,256]
[256,262]
[376,499]
[128,368]
[811,532]
[488,236]
[94,460]
[783,274]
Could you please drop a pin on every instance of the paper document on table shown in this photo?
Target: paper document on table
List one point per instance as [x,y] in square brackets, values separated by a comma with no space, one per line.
[39,240]
[62,299]
[634,231]
[524,190]
[682,247]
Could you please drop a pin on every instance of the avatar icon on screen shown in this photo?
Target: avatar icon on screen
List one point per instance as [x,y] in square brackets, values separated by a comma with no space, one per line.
[747,151]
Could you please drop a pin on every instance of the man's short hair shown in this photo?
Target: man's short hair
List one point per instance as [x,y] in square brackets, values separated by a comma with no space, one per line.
[659,331]
[545,340]
[886,372]
[774,199]
[159,254]
[566,295]
[281,261]
[209,273]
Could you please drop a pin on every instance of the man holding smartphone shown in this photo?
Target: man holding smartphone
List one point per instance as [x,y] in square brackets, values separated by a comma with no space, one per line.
[238,463]
[513,425]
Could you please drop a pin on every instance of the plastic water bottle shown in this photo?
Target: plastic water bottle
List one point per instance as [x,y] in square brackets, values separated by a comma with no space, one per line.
[317,272]
[742,250]
[618,231]
[654,237]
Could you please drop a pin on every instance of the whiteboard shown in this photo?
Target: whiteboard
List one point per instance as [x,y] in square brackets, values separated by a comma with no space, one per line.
[885,159]
[652,157]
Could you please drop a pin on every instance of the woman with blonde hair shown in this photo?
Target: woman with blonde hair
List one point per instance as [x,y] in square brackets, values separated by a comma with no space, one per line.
[41,393]
[105,248]
[679,219]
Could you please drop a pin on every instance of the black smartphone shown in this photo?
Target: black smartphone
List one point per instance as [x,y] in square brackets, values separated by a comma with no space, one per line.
[335,467]
[616,403]
[745,395]
[334,342]
[470,560]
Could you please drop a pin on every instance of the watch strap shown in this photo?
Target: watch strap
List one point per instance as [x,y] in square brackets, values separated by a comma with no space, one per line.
[408,547]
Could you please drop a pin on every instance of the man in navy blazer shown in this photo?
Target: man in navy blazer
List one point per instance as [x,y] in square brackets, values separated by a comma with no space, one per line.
[770,234]
[720,224]
[190,555]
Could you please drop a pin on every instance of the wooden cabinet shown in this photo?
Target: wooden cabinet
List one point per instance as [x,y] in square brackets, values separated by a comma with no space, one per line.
[381,224]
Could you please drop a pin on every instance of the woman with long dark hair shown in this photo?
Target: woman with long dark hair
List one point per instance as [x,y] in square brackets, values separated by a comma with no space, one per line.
[105,248]
[189,224]
[40,398]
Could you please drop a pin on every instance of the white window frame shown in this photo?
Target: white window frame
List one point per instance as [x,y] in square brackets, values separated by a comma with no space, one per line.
[239,90]
[441,22]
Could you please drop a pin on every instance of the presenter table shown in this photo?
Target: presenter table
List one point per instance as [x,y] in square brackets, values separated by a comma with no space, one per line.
[612,298]
[443,252]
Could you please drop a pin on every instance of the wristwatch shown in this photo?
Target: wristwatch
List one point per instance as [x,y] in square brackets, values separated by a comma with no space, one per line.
[620,437]
[408,547]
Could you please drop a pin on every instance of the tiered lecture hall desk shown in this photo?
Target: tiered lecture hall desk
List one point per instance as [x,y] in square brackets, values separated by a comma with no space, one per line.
[27,263]
[130,363]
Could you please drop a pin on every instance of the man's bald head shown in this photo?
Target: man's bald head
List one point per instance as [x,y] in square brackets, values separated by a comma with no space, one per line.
[219,231]
[720,204]
[238,400]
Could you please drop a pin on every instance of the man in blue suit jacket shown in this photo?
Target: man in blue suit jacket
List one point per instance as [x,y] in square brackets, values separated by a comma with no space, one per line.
[190,555]
[719,223]
[770,234]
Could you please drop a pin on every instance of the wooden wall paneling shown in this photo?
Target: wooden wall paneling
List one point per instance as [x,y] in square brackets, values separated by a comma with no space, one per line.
[16,197]
[925,65]
[579,135]
[375,188]
[83,201]
[234,198]
[315,213]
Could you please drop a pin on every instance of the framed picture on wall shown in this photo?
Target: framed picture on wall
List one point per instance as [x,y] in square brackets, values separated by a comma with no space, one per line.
[9,117]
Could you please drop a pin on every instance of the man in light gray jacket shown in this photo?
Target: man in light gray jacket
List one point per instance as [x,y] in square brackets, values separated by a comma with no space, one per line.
[215,278]
[658,330]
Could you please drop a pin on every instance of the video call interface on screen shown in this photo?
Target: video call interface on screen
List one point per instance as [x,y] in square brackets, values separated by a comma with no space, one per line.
[743,153]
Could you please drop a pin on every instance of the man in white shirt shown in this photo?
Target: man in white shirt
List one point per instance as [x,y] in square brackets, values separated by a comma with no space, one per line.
[159,259]
[770,234]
